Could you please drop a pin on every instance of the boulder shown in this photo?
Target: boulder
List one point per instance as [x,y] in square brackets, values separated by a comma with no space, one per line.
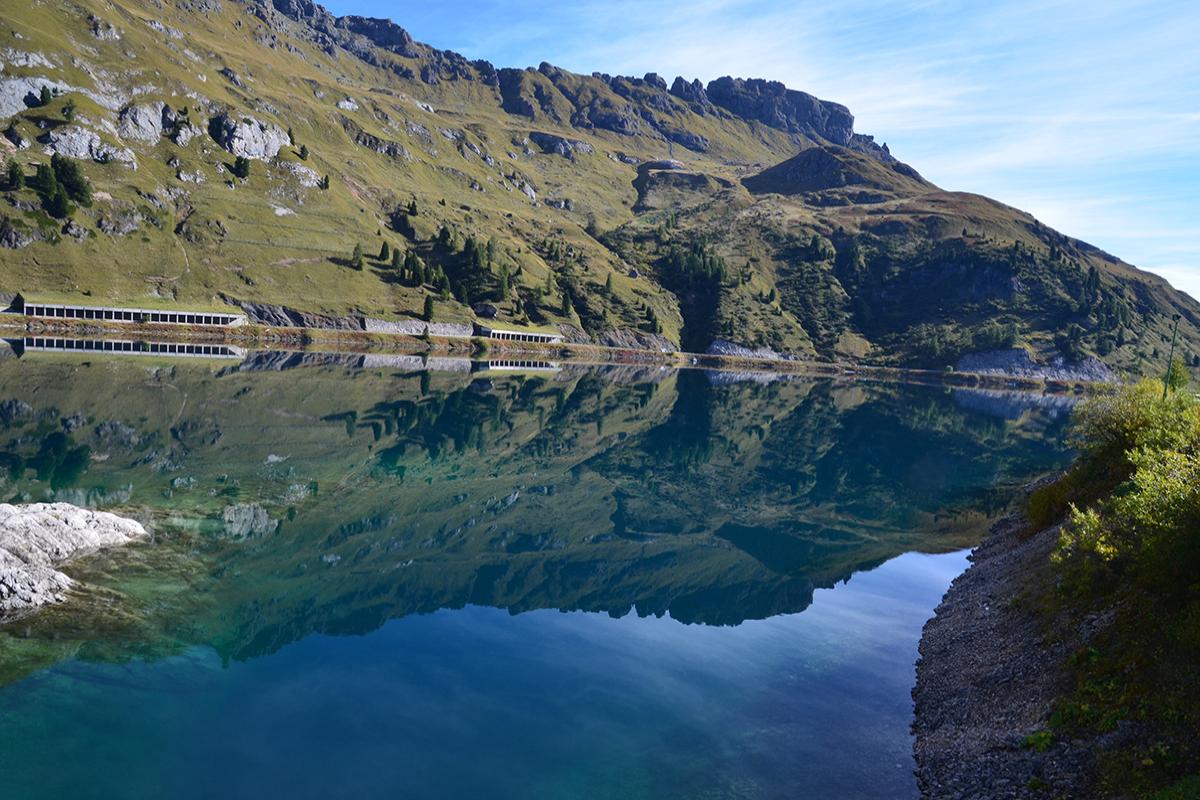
[248,137]
[307,177]
[559,145]
[14,238]
[142,122]
[74,230]
[21,92]
[76,142]
[120,221]
[231,76]
[23,58]
[15,138]
[370,141]
[35,539]
[692,141]
[104,30]
[183,134]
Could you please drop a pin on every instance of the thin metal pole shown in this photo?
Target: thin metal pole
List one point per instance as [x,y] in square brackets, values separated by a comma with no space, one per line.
[1170,358]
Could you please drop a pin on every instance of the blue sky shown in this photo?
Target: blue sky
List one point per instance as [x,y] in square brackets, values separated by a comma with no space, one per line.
[1086,114]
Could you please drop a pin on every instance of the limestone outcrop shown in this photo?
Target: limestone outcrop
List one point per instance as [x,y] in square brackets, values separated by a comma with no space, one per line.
[247,136]
[38,538]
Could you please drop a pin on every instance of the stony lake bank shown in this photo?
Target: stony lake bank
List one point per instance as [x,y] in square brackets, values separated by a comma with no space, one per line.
[990,673]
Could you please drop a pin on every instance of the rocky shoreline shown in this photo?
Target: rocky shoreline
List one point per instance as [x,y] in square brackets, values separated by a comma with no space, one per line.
[38,538]
[990,670]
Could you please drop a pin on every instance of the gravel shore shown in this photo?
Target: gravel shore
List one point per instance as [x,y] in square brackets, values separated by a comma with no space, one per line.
[990,669]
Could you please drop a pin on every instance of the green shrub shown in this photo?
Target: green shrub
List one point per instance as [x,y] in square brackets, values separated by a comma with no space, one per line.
[1136,488]
[1039,741]
[1186,789]
[1108,426]
[1048,504]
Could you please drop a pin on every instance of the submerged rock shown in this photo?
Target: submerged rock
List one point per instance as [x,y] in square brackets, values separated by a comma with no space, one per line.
[35,539]
[247,521]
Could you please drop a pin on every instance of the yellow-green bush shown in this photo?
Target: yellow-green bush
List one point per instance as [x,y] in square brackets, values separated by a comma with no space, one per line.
[1134,494]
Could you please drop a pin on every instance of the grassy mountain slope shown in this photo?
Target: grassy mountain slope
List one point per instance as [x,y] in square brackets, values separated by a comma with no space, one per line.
[624,208]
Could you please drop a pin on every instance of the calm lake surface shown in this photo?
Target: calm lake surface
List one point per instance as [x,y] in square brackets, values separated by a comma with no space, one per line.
[375,577]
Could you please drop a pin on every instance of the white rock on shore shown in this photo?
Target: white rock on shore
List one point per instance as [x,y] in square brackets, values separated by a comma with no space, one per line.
[35,539]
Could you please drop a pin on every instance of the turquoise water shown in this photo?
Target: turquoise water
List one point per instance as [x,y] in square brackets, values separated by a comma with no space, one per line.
[370,581]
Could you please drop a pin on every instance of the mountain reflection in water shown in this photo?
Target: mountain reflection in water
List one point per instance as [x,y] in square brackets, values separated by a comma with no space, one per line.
[301,494]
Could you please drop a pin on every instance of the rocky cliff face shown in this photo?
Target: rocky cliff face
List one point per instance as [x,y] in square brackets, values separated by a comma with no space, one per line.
[772,103]
[626,105]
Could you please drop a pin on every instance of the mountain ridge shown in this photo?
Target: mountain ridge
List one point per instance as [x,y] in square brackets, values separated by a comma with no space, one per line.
[665,214]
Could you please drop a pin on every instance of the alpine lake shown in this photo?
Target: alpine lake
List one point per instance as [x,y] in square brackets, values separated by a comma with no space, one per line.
[378,576]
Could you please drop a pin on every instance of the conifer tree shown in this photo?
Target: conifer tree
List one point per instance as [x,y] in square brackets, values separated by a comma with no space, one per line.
[15,175]
[70,176]
[427,313]
[385,252]
[505,284]
[57,204]
[356,258]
